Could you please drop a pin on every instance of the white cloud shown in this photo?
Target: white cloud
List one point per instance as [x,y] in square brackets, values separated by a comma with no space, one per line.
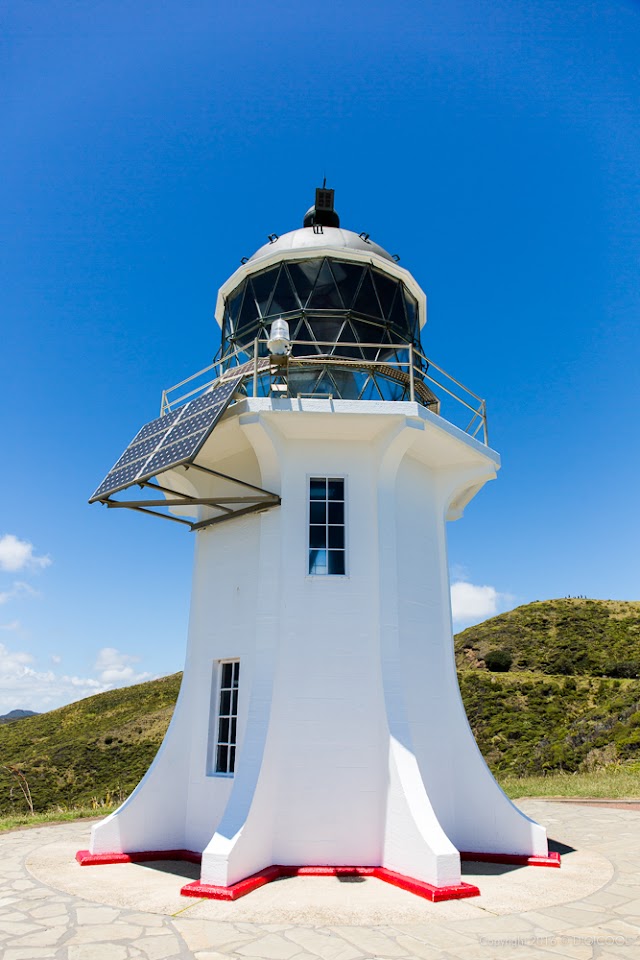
[17,589]
[471,603]
[16,554]
[12,625]
[55,658]
[116,670]
[22,686]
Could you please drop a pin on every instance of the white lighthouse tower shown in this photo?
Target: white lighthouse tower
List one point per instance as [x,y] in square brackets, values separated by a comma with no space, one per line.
[319,725]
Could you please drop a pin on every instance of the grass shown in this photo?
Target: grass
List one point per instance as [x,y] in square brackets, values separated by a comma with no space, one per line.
[98,747]
[609,783]
[17,821]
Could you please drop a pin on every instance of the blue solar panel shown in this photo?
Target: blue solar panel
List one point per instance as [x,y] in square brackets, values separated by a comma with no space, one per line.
[168,441]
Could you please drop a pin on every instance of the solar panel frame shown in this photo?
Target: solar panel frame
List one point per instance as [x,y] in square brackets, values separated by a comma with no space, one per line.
[178,437]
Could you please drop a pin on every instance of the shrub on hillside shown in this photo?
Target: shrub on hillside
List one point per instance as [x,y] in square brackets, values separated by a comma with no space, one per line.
[498,661]
[625,669]
[562,665]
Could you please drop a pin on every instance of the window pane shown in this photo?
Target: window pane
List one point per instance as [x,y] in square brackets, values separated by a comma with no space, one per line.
[226,674]
[318,537]
[336,537]
[249,312]
[336,489]
[234,302]
[262,286]
[397,319]
[367,301]
[386,289]
[223,731]
[232,759]
[326,331]
[412,310]
[234,708]
[336,512]
[325,293]
[318,489]
[236,673]
[233,730]
[318,512]
[304,277]
[348,277]
[336,561]
[284,297]
[221,761]
[225,703]
[317,561]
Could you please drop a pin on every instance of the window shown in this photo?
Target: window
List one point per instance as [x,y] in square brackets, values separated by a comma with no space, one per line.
[326,526]
[225,757]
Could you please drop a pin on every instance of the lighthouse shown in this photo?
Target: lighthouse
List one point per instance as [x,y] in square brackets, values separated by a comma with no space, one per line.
[319,725]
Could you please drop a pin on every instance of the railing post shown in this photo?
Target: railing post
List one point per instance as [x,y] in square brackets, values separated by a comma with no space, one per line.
[255,367]
[411,379]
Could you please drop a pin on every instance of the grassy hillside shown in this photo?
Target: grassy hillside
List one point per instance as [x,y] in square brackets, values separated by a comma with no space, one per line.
[95,750]
[570,698]
[598,638]
[531,723]
[569,703]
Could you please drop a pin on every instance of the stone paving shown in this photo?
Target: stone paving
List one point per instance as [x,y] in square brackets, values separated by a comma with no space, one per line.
[51,908]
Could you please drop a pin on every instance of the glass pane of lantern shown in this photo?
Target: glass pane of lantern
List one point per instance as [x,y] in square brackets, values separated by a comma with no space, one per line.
[367,301]
[304,277]
[348,277]
[325,293]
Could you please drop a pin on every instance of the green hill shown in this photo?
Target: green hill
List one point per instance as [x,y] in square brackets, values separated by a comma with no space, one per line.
[93,750]
[571,637]
[570,701]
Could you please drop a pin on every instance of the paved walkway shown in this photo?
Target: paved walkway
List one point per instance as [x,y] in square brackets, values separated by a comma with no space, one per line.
[53,909]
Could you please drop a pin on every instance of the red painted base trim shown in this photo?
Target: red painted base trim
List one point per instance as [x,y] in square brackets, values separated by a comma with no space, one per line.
[551,860]
[240,889]
[87,859]
[419,887]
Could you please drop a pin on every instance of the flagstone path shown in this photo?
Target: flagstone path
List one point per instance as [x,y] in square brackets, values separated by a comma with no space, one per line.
[53,909]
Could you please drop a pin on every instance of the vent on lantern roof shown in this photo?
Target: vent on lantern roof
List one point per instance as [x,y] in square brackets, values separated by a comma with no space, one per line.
[322,213]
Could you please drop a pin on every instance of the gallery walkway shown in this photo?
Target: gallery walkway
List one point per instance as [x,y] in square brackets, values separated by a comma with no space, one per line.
[51,908]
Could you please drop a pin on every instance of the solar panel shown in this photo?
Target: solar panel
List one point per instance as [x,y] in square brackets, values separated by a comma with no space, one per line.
[168,441]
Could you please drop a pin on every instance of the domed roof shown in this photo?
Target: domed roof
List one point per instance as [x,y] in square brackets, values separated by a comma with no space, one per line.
[306,239]
[321,236]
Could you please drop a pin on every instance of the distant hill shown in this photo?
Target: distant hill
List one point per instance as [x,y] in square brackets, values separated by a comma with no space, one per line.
[98,748]
[570,700]
[560,706]
[17,715]
[599,638]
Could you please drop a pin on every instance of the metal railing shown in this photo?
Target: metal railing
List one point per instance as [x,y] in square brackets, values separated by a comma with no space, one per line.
[423,381]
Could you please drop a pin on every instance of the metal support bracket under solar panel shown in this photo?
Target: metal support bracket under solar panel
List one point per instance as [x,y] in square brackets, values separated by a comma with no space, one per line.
[174,440]
[244,505]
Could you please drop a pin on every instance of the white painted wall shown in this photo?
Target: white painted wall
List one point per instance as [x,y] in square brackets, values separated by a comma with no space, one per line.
[353,744]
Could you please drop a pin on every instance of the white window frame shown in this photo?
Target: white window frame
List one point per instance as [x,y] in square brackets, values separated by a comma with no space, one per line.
[327,476]
[231,743]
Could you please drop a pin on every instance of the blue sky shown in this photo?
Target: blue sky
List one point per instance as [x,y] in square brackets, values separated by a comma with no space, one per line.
[147,147]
